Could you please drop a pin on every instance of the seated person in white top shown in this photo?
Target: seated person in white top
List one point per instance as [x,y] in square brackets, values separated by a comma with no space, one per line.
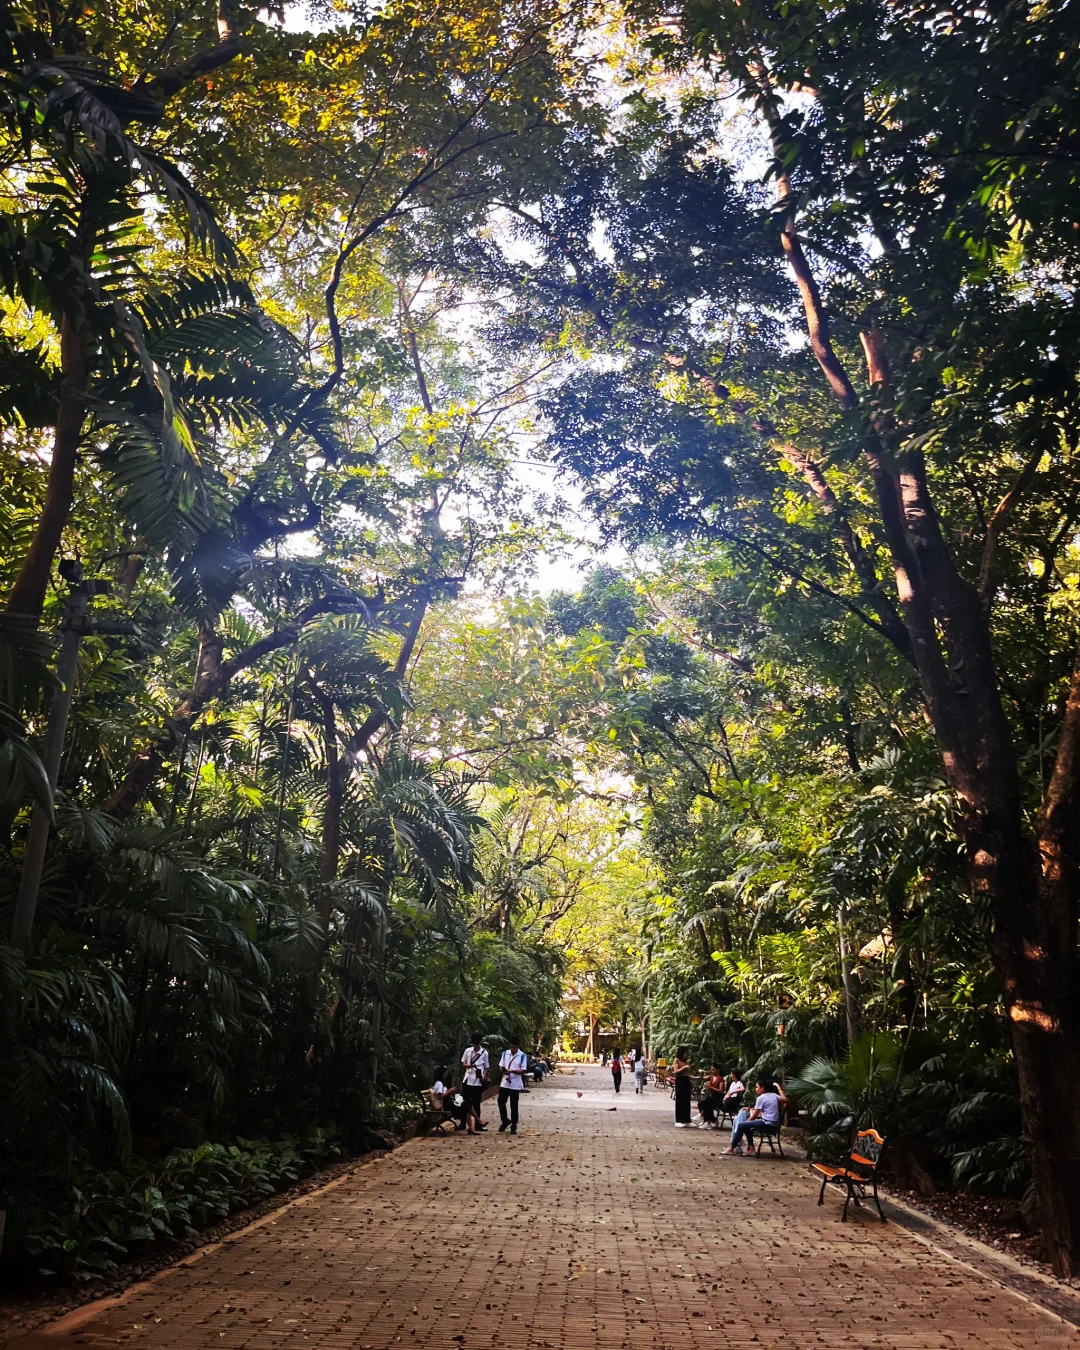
[444,1098]
[736,1091]
[513,1063]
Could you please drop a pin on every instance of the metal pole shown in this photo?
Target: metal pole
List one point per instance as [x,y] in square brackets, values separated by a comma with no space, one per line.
[40,822]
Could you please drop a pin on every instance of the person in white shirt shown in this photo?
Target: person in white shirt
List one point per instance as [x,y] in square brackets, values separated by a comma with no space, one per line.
[513,1063]
[475,1063]
[444,1098]
[736,1091]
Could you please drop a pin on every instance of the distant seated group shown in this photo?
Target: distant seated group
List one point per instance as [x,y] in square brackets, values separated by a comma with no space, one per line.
[723,1096]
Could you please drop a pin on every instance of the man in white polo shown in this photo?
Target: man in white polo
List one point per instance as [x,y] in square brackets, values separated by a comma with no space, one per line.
[513,1063]
[475,1062]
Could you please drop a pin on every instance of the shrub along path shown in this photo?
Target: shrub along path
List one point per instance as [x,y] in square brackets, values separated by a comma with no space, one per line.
[592,1228]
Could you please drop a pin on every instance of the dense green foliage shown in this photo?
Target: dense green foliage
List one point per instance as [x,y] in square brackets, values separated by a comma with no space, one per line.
[257,912]
[118,1213]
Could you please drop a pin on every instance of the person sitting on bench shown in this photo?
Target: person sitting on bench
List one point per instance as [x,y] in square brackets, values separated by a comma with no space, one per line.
[736,1091]
[445,1099]
[711,1098]
[766,1114]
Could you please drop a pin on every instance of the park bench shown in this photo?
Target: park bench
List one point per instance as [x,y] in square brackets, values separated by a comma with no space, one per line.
[660,1073]
[858,1172]
[435,1119]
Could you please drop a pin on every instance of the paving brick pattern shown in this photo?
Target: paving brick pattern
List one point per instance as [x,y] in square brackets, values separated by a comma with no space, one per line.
[593,1228]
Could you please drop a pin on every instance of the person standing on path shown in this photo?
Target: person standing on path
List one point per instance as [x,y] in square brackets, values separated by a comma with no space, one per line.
[475,1063]
[682,1071]
[639,1074]
[616,1069]
[513,1063]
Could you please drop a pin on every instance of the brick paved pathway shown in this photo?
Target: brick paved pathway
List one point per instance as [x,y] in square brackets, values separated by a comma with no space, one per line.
[593,1228]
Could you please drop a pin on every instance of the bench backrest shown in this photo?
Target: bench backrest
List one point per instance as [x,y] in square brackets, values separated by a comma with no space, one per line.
[865,1153]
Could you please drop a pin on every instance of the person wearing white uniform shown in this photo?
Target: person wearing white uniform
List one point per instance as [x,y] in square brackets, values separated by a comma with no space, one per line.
[513,1063]
[475,1064]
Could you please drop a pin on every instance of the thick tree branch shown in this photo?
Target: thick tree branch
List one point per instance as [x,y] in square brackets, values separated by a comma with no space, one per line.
[166,83]
[788,568]
[995,525]
[378,717]
[892,625]
[213,677]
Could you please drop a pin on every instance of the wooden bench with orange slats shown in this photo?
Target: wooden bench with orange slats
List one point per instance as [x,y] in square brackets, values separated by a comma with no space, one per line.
[857,1173]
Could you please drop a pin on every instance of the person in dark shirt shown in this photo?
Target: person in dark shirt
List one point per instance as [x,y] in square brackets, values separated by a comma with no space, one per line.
[711,1098]
[682,1072]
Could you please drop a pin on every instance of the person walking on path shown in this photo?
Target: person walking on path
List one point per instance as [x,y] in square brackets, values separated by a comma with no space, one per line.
[603,1059]
[513,1063]
[682,1072]
[639,1074]
[616,1069]
[475,1063]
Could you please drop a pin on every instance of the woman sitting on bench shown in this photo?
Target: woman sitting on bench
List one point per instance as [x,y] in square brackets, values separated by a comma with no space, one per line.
[711,1098]
[766,1114]
[451,1103]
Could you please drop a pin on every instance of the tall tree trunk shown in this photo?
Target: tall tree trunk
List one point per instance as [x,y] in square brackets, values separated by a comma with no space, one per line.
[706,946]
[895,888]
[212,678]
[28,594]
[335,791]
[852,1012]
[1028,883]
